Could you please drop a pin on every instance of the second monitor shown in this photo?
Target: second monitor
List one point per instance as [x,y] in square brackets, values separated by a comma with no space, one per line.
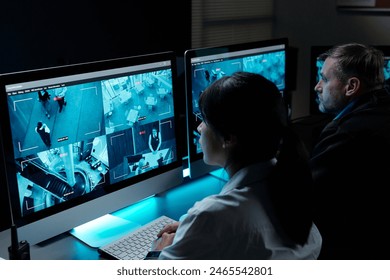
[205,65]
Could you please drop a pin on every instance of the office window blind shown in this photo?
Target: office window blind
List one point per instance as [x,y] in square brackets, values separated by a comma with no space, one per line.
[219,22]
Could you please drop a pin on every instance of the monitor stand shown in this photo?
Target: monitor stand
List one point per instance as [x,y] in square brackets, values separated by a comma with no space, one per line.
[103,230]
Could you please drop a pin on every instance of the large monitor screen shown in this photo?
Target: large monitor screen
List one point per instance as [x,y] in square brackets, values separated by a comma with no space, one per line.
[81,141]
[205,65]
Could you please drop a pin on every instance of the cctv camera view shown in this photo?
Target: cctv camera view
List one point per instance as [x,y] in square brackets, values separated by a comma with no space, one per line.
[271,65]
[74,137]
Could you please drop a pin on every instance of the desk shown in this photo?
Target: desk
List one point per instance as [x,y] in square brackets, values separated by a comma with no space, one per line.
[149,81]
[153,158]
[151,101]
[172,203]
[124,96]
[150,161]
[132,117]
[162,92]
[139,88]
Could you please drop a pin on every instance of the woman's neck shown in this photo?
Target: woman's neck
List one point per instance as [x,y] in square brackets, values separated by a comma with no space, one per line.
[232,168]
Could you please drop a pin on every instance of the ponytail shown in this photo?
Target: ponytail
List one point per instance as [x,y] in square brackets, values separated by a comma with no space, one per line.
[291,187]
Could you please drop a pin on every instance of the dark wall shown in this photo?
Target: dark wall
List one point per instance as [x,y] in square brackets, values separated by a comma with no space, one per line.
[46,33]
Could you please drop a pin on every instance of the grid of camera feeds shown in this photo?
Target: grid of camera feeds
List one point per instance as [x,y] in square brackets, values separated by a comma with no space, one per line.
[78,137]
[271,65]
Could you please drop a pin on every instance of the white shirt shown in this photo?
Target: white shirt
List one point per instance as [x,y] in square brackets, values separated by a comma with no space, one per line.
[234,225]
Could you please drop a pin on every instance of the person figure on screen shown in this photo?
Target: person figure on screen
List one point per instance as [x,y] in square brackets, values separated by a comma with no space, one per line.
[44,98]
[350,161]
[141,166]
[386,69]
[44,132]
[60,97]
[265,209]
[154,140]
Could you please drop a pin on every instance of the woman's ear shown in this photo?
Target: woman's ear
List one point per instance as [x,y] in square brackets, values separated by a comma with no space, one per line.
[353,86]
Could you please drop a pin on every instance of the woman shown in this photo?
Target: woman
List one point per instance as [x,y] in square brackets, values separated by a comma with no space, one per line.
[154,140]
[265,209]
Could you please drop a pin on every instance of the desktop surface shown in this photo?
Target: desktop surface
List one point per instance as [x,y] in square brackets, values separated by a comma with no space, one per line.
[172,203]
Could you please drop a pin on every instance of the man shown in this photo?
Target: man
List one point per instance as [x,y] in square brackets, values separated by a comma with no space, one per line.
[44,98]
[60,97]
[351,160]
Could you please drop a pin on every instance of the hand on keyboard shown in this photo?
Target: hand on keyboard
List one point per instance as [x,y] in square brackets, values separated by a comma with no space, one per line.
[165,236]
[169,228]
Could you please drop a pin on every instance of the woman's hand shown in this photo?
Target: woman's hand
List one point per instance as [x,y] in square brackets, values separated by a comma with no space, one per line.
[170,228]
[165,236]
[165,240]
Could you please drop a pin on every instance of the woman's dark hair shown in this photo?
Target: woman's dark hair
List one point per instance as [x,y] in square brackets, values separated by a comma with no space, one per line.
[251,108]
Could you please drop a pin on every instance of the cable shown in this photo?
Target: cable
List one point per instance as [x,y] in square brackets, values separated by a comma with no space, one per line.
[17,250]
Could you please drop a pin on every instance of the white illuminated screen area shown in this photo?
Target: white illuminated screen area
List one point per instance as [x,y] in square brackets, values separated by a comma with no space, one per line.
[86,152]
[203,66]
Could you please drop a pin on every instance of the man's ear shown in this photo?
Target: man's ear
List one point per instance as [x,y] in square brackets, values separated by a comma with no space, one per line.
[353,86]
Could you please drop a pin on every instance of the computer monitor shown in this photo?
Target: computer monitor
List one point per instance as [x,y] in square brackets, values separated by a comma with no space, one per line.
[205,65]
[316,66]
[85,152]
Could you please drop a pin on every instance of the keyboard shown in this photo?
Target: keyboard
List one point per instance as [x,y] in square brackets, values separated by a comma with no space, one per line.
[136,244]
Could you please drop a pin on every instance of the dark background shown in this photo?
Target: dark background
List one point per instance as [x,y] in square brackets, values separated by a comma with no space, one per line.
[46,33]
